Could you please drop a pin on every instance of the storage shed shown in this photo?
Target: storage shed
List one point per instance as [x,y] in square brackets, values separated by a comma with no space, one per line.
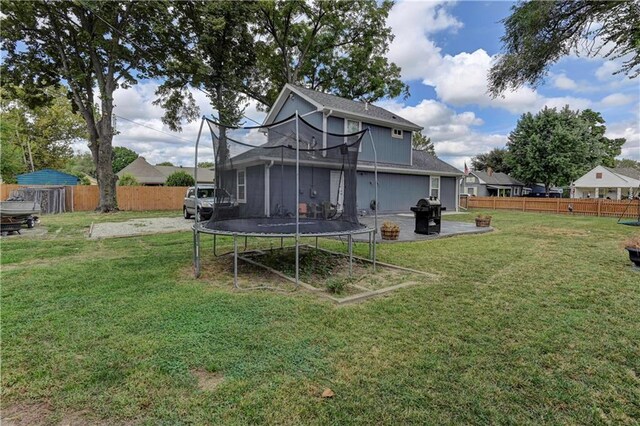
[47,177]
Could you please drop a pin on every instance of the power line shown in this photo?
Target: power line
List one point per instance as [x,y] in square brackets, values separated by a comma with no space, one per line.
[152,128]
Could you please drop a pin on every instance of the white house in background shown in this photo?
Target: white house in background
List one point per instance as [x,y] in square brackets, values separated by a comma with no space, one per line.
[606,182]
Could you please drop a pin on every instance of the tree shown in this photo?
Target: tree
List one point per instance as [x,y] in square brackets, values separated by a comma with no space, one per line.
[332,47]
[127,179]
[41,135]
[206,165]
[91,49]
[180,179]
[603,151]
[81,163]
[496,159]
[165,163]
[122,157]
[423,143]
[627,163]
[539,33]
[556,147]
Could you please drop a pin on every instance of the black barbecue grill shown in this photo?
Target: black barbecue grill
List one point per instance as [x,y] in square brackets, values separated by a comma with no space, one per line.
[428,213]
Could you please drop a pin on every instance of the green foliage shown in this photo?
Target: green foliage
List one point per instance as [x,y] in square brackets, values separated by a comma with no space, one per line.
[127,179]
[165,163]
[252,49]
[122,157]
[74,44]
[83,179]
[81,163]
[38,137]
[206,165]
[496,159]
[336,285]
[423,143]
[556,147]
[180,179]
[539,33]
[627,163]
[334,47]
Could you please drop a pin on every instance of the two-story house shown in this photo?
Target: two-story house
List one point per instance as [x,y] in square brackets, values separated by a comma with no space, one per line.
[404,174]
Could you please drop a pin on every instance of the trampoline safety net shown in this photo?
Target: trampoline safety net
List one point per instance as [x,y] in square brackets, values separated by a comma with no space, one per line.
[299,169]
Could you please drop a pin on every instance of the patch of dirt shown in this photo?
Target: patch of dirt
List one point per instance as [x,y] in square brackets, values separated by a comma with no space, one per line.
[560,232]
[208,381]
[26,414]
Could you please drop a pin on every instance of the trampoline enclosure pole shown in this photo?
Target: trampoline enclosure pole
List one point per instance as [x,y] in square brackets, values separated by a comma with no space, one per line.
[297,199]
[235,260]
[375,212]
[195,172]
[350,255]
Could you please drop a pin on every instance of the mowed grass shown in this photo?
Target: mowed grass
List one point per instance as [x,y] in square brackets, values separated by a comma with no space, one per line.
[535,323]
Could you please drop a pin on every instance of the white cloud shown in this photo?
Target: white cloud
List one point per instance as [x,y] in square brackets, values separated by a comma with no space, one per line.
[631,132]
[561,81]
[411,22]
[616,99]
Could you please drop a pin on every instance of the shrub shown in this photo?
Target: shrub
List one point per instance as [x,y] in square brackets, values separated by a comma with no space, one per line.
[336,285]
[180,179]
[128,179]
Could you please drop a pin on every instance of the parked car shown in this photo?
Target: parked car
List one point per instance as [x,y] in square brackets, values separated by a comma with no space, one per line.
[208,196]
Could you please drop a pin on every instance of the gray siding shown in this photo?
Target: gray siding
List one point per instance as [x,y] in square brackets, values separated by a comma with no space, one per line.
[396,192]
[388,148]
[254,207]
[303,107]
[448,192]
[283,186]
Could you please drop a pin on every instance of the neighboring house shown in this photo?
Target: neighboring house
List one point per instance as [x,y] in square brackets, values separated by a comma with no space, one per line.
[404,175]
[606,182]
[538,190]
[148,174]
[47,177]
[491,184]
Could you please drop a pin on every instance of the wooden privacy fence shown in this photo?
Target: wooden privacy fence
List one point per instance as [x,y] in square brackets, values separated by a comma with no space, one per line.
[86,198]
[587,207]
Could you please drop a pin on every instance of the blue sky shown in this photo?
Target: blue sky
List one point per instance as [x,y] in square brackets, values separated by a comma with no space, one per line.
[445,50]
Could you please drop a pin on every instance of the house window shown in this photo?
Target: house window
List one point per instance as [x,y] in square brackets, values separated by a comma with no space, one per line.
[470,179]
[434,186]
[241,186]
[352,126]
[397,133]
[599,175]
[471,191]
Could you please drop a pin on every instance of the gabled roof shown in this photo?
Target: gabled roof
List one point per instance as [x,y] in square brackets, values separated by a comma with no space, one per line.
[148,174]
[423,162]
[497,178]
[144,172]
[625,171]
[338,104]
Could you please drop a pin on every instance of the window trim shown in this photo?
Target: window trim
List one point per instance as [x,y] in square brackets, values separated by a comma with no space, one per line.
[346,132]
[470,190]
[398,136]
[431,188]
[244,185]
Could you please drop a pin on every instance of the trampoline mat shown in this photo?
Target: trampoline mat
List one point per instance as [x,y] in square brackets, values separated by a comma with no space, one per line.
[283,225]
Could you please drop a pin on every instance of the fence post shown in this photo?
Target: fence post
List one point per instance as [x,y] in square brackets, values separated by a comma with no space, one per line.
[494,202]
[524,204]
[558,205]
[599,203]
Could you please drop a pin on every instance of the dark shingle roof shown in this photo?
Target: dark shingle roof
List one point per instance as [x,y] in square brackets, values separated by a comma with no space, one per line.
[625,171]
[497,178]
[422,160]
[355,107]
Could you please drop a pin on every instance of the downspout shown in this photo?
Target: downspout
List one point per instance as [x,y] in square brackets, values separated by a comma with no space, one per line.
[267,188]
[325,129]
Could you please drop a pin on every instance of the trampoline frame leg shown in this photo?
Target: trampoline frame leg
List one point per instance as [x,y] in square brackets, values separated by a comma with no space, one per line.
[350,255]
[196,253]
[316,243]
[235,261]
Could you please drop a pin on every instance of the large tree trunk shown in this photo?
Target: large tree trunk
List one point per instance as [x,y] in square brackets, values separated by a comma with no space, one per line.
[102,152]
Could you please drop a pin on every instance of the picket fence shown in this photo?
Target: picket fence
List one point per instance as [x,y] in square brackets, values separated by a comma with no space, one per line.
[137,198]
[580,206]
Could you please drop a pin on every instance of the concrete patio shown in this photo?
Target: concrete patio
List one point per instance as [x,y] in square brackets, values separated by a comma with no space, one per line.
[407,225]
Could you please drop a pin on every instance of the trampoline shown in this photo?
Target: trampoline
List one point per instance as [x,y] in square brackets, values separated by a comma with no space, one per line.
[301,182]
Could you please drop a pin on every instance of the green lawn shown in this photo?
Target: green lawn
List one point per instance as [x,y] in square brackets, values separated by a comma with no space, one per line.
[536,323]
